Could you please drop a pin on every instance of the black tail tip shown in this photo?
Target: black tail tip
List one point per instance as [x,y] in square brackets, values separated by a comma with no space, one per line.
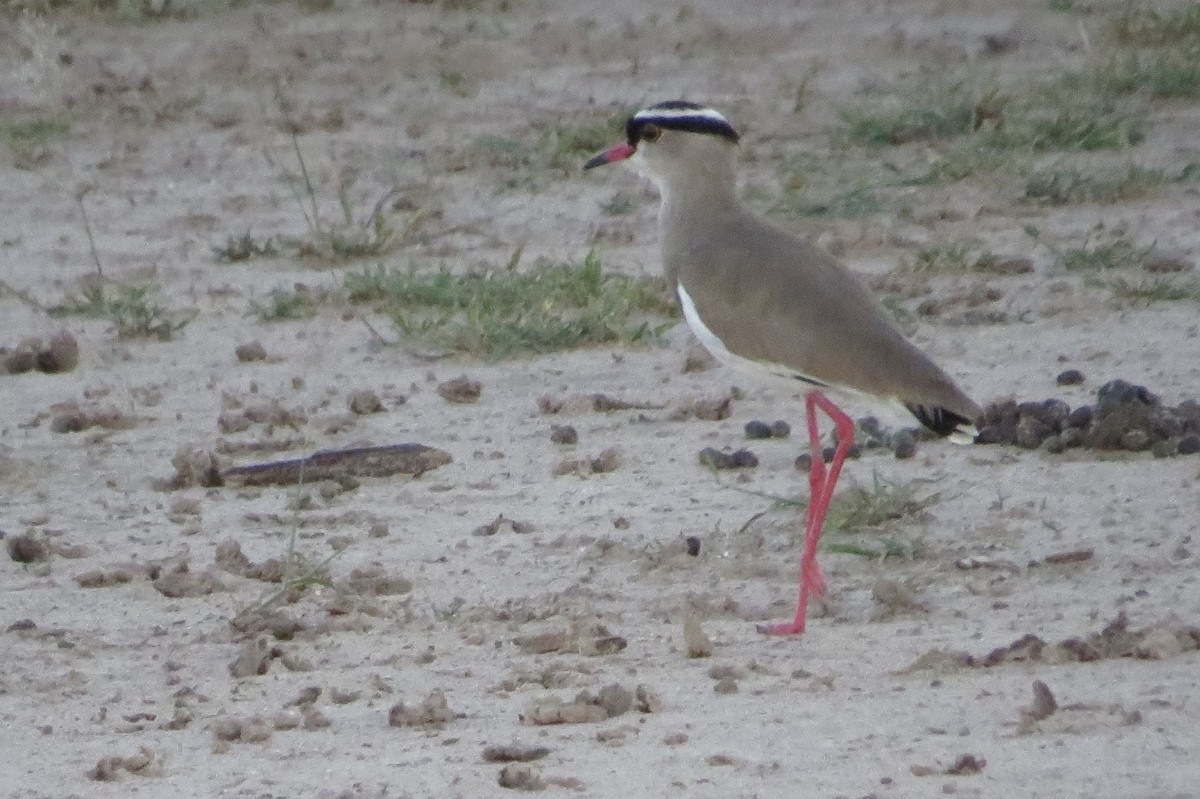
[942,421]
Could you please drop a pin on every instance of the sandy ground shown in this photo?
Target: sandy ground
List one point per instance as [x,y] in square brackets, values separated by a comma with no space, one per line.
[177,140]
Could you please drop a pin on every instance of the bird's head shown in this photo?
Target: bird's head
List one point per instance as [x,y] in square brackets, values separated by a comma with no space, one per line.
[672,140]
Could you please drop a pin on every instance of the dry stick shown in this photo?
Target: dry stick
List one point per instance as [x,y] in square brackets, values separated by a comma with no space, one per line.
[312,195]
[87,226]
[23,296]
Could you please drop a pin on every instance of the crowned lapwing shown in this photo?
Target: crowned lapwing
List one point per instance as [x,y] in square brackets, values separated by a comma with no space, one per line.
[764,300]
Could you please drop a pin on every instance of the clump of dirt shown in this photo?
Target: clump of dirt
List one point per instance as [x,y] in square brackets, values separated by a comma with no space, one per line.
[253,729]
[582,638]
[708,409]
[502,524]
[27,548]
[74,417]
[236,417]
[521,777]
[1159,641]
[608,460]
[513,753]
[1125,417]
[195,467]
[716,459]
[58,354]
[589,403]
[564,434]
[250,352]
[364,402]
[587,707]
[963,765]
[144,764]
[432,711]
[460,390]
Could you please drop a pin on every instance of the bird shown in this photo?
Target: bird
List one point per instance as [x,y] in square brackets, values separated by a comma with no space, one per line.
[773,304]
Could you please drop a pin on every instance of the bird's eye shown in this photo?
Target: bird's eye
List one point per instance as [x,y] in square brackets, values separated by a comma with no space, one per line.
[651,133]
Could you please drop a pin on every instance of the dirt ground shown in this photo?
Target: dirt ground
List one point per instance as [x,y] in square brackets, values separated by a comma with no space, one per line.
[125,674]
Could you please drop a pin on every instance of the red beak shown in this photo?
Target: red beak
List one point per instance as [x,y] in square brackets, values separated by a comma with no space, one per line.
[618,152]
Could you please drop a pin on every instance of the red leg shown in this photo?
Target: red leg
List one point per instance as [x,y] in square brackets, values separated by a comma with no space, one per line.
[821,484]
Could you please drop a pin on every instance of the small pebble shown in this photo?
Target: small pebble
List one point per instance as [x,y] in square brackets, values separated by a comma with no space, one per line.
[726,685]
[250,351]
[1081,417]
[716,459]
[563,434]
[780,429]
[1069,377]
[461,389]
[364,402]
[904,445]
[756,429]
[693,545]
[803,462]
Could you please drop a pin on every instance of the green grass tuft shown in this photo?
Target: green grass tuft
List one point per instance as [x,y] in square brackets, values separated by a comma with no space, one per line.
[860,201]
[1147,291]
[1140,24]
[504,313]
[132,310]
[244,248]
[285,305]
[1068,186]
[1119,254]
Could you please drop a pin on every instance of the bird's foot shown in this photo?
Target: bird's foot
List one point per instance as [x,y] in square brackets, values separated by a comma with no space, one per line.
[785,628]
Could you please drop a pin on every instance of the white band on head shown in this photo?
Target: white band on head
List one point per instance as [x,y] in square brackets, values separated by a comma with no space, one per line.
[680,113]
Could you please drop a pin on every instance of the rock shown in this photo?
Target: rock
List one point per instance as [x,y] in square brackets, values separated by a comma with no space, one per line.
[696,358]
[1069,377]
[904,445]
[1044,704]
[726,685]
[26,548]
[1081,417]
[756,429]
[615,700]
[520,777]
[1166,261]
[364,402]
[513,753]
[1189,444]
[555,711]
[564,434]
[433,711]
[60,355]
[716,459]
[250,352]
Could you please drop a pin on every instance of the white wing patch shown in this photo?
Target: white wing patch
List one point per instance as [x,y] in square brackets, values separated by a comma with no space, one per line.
[713,344]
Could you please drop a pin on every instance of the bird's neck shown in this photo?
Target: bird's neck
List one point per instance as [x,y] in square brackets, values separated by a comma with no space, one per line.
[701,195]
